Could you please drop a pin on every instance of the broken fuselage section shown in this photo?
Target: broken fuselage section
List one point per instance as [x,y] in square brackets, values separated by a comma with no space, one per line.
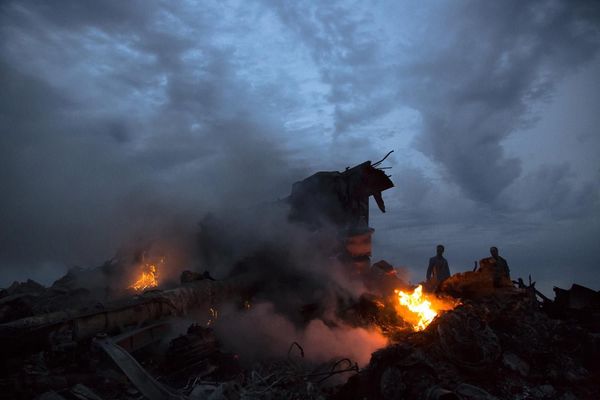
[341,200]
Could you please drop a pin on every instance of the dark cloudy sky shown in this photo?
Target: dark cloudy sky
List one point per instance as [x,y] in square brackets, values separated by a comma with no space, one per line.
[117,116]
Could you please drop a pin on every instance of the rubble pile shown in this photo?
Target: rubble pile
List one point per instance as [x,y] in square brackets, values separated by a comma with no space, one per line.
[127,331]
[30,298]
[289,379]
[502,346]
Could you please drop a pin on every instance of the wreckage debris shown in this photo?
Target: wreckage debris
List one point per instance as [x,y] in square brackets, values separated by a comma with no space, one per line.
[90,337]
[503,346]
[496,347]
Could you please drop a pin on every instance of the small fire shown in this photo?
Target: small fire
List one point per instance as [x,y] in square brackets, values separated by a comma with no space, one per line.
[148,278]
[213,315]
[417,308]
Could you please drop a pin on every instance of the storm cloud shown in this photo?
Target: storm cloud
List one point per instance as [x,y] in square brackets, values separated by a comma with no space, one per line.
[124,117]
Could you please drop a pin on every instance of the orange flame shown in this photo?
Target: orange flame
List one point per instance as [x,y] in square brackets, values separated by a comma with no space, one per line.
[148,279]
[213,315]
[417,308]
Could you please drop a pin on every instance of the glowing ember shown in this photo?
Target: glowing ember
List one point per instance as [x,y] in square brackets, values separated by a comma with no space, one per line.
[417,308]
[213,314]
[148,279]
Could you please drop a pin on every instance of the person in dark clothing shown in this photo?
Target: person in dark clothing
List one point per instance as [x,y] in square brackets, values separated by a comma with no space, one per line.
[438,270]
[501,270]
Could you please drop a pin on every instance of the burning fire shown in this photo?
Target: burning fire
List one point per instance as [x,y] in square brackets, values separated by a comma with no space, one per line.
[417,308]
[148,278]
[213,315]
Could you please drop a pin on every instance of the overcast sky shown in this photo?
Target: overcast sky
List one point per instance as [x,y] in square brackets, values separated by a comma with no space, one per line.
[118,115]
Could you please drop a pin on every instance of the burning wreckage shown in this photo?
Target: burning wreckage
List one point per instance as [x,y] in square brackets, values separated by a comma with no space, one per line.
[92,336]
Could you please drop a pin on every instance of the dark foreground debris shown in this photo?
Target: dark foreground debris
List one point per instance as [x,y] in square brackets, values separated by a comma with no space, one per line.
[95,334]
[501,344]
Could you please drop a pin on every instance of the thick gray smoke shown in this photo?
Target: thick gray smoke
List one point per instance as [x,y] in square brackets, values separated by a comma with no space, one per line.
[125,122]
[298,291]
[105,143]
[263,333]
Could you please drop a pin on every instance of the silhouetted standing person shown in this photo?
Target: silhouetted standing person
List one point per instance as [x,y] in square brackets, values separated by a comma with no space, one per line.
[501,271]
[438,270]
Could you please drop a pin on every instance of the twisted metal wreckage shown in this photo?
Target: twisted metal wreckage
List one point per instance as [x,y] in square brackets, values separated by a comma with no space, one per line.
[434,364]
[331,197]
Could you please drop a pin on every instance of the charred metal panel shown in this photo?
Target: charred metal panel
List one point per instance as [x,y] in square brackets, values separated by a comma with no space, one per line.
[33,333]
[339,198]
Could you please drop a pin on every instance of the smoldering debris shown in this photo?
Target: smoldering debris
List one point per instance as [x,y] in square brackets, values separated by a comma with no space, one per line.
[288,306]
[268,334]
[502,345]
